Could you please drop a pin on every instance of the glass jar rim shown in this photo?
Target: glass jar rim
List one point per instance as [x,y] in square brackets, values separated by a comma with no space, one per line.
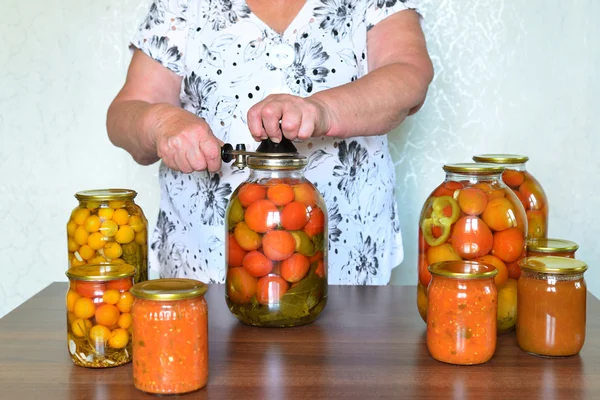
[550,245]
[499,158]
[473,168]
[100,272]
[106,194]
[463,269]
[169,289]
[553,265]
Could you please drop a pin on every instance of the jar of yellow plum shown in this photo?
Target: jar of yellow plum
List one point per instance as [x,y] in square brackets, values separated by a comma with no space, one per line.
[474,216]
[525,187]
[99,320]
[108,227]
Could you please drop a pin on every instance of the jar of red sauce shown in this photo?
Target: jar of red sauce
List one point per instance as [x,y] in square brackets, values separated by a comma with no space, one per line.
[170,331]
[551,307]
[461,312]
[551,247]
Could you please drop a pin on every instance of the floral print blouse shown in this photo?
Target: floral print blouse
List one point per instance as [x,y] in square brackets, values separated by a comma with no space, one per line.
[229,60]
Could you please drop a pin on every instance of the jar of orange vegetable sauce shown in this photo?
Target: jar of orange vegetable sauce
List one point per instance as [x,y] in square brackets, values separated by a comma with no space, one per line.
[526,188]
[170,331]
[98,314]
[461,312]
[551,315]
[551,247]
[474,216]
[276,241]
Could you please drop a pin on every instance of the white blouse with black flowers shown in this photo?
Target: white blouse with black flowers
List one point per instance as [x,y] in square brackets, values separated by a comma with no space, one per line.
[229,60]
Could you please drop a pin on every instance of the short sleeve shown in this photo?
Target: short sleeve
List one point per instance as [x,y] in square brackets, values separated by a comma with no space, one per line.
[378,10]
[163,34]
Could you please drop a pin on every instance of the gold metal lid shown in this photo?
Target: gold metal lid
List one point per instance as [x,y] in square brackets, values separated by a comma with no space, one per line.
[501,158]
[474,168]
[100,272]
[551,245]
[276,162]
[553,264]
[463,269]
[106,194]
[168,289]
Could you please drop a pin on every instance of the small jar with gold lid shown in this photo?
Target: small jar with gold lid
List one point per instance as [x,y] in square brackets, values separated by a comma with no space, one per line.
[98,314]
[526,188]
[170,331]
[108,227]
[551,247]
[551,306]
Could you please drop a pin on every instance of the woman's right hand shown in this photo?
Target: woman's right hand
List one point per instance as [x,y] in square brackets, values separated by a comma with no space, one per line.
[184,141]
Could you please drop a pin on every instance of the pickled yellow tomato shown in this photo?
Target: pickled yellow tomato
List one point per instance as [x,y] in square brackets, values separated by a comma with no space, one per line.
[81,327]
[118,338]
[121,216]
[86,252]
[140,237]
[105,213]
[96,241]
[109,228]
[81,235]
[99,333]
[71,226]
[113,250]
[80,215]
[126,234]
[136,222]
[92,223]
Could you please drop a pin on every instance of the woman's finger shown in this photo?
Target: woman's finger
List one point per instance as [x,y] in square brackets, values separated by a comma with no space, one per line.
[255,122]
[271,114]
[291,122]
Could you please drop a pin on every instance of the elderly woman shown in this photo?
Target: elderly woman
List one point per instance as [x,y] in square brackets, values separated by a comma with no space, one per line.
[333,75]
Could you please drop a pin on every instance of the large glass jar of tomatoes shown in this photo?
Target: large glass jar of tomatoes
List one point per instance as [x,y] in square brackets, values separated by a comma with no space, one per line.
[474,216]
[526,188]
[276,245]
[108,227]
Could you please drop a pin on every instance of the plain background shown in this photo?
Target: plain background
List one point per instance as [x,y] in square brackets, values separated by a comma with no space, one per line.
[515,76]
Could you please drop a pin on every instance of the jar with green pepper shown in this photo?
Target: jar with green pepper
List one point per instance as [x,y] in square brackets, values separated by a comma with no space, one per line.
[473,215]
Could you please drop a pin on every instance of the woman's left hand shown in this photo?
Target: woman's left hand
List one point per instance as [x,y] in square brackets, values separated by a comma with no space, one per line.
[291,116]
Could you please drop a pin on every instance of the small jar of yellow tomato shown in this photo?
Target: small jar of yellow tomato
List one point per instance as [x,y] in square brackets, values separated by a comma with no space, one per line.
[170,330]
[461,312]
[98,314]
[551,247]
[551,312]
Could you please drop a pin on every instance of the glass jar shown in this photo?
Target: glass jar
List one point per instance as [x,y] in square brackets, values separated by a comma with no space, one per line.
[552,306]
[170,330]
[473,215]
[98,314]
[461,312]
[551,247]
[276,245]
[108,227]
[526,188]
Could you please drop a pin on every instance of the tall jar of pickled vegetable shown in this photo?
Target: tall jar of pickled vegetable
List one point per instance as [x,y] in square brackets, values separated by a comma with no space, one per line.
[474,216]
[276,242]
[108,227]
[99,314]
[526,188]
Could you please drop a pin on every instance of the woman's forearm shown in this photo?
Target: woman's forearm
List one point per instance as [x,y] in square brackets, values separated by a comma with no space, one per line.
[129,125]
[376,103]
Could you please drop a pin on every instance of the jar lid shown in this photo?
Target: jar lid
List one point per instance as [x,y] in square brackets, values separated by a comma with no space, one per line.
[106,194]
[553,264]
[276,156]
[169,289]
[551,245]
[100,272]
[474,168]
[501,158]
[463,269]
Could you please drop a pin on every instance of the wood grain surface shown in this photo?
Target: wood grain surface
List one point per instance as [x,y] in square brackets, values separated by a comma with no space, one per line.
[368,343]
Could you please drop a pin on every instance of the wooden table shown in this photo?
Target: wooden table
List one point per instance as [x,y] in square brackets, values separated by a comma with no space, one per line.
[369,343]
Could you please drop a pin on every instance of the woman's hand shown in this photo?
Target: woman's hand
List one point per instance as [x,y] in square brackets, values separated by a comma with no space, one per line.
[291,116]
[185,142]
